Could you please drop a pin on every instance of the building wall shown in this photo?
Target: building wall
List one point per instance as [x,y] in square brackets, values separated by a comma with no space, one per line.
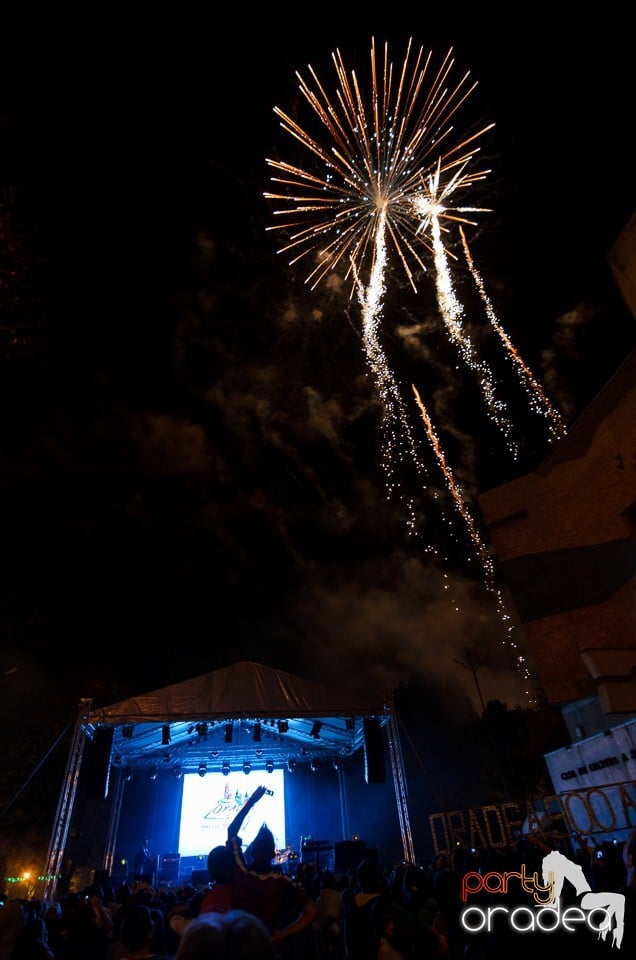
[622,263]
[565,538]
[596,779]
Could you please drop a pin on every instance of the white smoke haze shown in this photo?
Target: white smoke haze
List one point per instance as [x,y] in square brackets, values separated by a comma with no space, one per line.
[395,620]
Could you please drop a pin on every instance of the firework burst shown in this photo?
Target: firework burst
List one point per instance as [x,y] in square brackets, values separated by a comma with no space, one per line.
[372,170]
[386,179]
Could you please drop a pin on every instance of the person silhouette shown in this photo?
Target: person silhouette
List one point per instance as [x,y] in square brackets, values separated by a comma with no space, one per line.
[142,858]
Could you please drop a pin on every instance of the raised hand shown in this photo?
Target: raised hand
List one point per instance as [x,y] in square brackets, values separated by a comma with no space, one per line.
[258,793]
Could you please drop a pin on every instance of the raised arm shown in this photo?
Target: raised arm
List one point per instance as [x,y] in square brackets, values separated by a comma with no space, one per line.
[237,822]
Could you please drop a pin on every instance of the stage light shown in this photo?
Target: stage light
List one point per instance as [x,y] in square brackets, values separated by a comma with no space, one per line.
[256,735]
[283,726]
[203,769]
[152,773]
[165,735]
[178,773]
[127,730]
[313,766]
[291,765]
[126,774]
[225,769]
[315,730]
[269,766]
[247,767]
[202,729]
[336,763]
[229,730]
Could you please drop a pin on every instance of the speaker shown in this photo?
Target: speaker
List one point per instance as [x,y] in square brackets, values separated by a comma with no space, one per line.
[98,768]
[200,878]
[374,771]
[169,867]
[348,854]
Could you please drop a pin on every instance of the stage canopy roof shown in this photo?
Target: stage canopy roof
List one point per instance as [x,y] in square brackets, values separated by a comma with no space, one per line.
[246,712]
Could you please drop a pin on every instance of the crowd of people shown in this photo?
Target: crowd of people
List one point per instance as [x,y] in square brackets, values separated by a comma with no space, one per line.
[252,910]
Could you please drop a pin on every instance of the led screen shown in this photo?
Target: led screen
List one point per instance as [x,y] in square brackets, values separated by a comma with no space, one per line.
[210,803]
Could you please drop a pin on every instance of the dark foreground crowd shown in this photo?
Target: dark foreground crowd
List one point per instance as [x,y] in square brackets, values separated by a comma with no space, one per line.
[251,910]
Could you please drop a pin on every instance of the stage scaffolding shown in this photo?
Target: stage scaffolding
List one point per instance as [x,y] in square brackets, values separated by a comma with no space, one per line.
[85,731]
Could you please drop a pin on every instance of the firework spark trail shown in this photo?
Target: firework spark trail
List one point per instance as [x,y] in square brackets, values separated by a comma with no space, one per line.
[539,403]
[431,206]
[455,491]
[480,547]
[396,423]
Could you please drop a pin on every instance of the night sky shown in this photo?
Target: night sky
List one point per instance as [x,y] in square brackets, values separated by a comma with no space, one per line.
[190,459]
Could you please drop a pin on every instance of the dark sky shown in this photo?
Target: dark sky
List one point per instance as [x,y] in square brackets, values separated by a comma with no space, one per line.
[191,441]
